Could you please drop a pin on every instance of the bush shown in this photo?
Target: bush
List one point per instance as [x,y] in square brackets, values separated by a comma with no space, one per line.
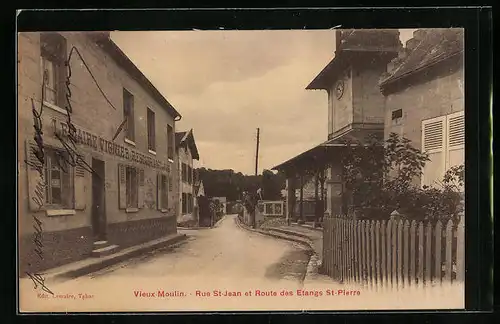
[380,178]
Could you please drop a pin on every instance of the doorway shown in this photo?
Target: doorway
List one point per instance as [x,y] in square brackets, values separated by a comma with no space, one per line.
[98,200]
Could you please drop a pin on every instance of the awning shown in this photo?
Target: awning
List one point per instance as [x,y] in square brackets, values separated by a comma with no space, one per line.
[327,152]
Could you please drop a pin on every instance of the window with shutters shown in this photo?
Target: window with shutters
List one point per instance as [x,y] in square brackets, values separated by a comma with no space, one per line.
[164,191]
[132,191]
[184,172]
[170,142]
[190,203]
[184,201]
[189,174]
[151,130]
[128,115]
[59,189]
[443,138]
[53,53]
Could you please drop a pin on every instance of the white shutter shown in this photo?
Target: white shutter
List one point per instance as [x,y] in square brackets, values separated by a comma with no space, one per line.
[122,187]
[433,142]
[158,191]
[140,188]
[80,187]
[455,139]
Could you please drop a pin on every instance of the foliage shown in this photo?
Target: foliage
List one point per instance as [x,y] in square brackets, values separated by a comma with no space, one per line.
[383,177]
[229,184]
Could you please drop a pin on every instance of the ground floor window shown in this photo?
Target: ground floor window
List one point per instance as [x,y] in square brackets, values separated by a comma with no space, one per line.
[187,203]
[132,187]
[59,189]
[184,200]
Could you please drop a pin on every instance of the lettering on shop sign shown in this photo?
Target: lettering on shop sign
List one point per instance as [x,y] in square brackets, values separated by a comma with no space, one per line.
[102,145]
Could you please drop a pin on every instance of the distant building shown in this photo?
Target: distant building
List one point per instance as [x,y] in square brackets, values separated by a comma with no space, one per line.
[187,152]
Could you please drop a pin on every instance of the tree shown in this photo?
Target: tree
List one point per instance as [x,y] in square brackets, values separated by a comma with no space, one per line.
[380,177]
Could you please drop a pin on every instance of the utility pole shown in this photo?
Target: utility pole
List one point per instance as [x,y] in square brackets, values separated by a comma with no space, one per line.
[257,152]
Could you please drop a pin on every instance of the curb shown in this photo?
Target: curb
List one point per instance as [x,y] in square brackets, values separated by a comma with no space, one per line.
[297,239]
[219,221]
[104,262]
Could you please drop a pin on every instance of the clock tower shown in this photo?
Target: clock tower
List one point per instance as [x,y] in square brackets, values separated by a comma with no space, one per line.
[351,80]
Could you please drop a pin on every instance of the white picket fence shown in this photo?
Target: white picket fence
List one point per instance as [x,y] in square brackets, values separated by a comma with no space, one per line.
[393,253]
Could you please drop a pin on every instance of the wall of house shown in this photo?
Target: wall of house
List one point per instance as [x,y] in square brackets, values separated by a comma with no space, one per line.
[424,99]
[185,156]
[367,99]
[340,110]
[70,237]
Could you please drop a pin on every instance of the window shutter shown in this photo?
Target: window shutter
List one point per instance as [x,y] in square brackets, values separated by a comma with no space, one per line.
[455,140]
[36,178]
[80,188]
[166,193]
[433,142]
[140,188]
[158,191]
[122,187]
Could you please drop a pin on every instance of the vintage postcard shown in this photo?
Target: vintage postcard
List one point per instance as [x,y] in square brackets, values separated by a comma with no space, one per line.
[204,171]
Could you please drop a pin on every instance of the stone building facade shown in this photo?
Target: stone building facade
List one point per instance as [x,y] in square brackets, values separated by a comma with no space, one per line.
[187,152]
[97,174]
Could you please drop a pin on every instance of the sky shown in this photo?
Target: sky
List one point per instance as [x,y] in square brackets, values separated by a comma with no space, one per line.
[226,84]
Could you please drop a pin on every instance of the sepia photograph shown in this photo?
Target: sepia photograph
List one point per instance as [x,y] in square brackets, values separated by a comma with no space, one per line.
[241,170]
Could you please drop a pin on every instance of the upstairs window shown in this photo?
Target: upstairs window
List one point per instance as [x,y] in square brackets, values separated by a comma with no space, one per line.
[128,115]
[53,55]
[151,130]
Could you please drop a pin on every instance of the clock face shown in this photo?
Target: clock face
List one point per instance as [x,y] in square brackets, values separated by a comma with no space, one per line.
[339,89]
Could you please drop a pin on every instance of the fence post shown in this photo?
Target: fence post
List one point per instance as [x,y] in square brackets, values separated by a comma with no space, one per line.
[413,253]
[377,254]
[359,225]
[389,252]
[428,253]
[438,267]
[449,245]
[394,253]
[406,248]
[460,250]
[383,252]
[373,254]
[420,273]
[400,247]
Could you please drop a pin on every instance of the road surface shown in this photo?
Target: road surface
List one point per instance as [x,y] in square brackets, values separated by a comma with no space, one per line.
[225,251]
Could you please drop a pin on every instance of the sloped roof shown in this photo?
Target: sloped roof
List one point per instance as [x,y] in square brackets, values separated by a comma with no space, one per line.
[188,138]
[178,137]
[426,48]
[356,44]
[103,39]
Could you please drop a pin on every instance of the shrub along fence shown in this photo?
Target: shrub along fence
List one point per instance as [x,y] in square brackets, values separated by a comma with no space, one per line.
[393,252]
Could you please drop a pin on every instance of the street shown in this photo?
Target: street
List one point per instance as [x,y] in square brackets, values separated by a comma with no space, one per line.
[225,251]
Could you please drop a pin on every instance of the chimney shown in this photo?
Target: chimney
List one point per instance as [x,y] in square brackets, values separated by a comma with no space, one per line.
[411,44]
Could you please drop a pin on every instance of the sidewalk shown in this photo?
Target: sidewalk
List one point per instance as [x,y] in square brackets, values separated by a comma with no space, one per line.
[306,235]
[92,264]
